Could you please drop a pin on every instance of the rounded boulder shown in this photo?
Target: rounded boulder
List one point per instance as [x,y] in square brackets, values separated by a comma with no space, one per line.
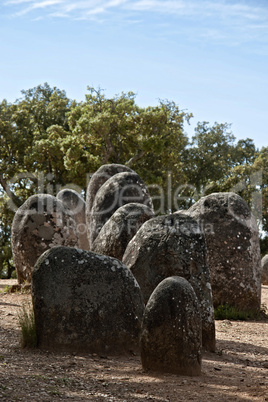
[40,223]
[120,189]
[73,201]
[120,228]
[171,329]
[233,249]
[173,245]
[104,173]
[85,302]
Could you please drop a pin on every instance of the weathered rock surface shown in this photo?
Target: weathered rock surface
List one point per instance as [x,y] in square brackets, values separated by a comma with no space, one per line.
[120,189]
[120,228]
[85,302]
[233,249]
[104,173]
[39,224]
[73,201]
[173,245]
[171,329]
[264,266]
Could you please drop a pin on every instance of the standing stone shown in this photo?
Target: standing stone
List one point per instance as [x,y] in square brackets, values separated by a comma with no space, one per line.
[173,245]
[39,224]
[73,201]
[85,302]
[171,329]
[120,228]
[120,189]
[264,266]
[104,173]
[233,250]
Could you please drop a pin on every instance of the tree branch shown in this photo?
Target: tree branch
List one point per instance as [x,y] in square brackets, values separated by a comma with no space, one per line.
[134,158]
[15,200]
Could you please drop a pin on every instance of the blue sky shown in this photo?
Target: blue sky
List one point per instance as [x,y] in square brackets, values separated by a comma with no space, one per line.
[210,57]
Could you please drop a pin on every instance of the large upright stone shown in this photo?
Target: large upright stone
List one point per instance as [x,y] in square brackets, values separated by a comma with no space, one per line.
[233,249]
[40,223]
[264,266]
[120,228]
[85,302]
[120,189]
[171,329]
[173,245]
[104,173]
[73,201]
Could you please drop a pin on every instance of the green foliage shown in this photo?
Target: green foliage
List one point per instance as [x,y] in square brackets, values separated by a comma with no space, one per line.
[227,312]
[49,141]
[27,326]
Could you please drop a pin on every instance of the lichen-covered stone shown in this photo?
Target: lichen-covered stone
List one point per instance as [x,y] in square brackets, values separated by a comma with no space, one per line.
[85,302]
[171,329]
[39,224]
[73,201]
[264,266]
[120,189]
[120,228]
[104,173]
[233,249]
[173,245]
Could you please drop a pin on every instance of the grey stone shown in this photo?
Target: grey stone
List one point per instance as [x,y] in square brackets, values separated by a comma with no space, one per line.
[171,329]
[73,201]
[104,173]
[173,245]
[85,302]
[264,265]
[120,228]
[233,249]
[120,189]
[39,224]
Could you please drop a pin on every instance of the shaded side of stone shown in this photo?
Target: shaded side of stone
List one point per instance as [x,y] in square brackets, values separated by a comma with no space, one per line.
[120,189]
[73,201]
[233,249]
[171,329]
[85,302]
[39,224]
[120,228]
[173,245]
[104,173]
[264,266]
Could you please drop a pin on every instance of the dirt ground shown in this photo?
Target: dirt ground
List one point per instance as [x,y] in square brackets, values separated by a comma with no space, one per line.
[238,371]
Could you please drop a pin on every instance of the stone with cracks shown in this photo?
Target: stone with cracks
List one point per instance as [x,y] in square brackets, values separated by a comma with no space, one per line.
[120,189]
[120,228]
[73,201]
[171,329]
[233,250]
[264,266]
[173,245]
[40,223]
[85,302]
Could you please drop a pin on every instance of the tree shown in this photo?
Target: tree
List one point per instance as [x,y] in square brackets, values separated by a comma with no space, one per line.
[24,125]
[47,136]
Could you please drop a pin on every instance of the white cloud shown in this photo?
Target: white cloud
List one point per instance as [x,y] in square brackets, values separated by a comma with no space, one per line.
[203,8]
[217,20]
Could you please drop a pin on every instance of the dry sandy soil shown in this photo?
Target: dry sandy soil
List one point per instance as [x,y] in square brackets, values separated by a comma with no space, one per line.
[238,371]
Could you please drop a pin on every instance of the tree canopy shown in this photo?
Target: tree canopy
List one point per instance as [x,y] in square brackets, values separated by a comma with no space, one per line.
[49,141]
